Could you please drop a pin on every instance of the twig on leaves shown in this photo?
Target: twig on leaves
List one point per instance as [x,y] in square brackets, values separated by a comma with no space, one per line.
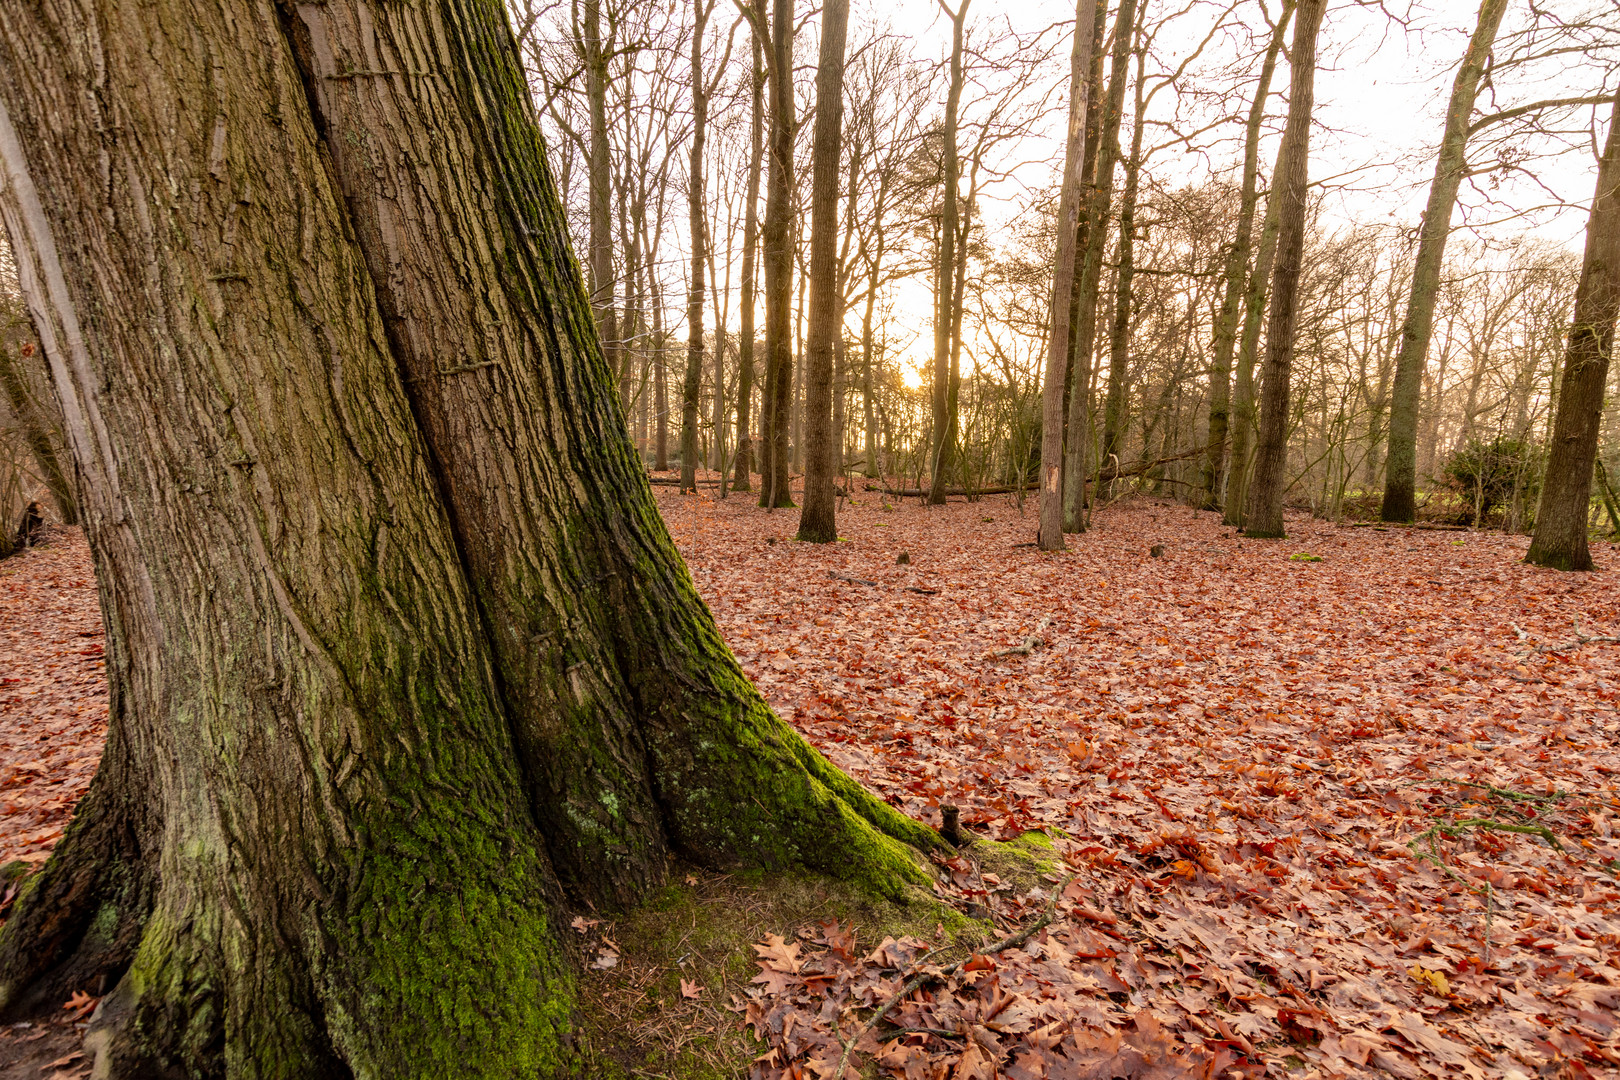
[1031,643]
[941,974]
[1581,638]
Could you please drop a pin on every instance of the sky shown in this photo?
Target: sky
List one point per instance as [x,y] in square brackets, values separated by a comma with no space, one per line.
[1384,75]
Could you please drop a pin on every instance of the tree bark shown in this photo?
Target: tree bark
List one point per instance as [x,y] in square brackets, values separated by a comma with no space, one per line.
[398,647]
[1089,284]
[1264,510]
[1237,270]
[1566,493]
[817,521]
[945,301]
[1450,166]
[1050,537]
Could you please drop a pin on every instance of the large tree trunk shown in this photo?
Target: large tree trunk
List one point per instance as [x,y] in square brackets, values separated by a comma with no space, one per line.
[1237,269]
[1566,494]
[1450,166]
[1263,515]
[817,521]
[1089,284]
[942,399]
[745,336]
[698,234]
[398,646]
[1050,537]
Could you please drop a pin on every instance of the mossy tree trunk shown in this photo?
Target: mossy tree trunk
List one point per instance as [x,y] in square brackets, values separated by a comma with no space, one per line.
[1566,493]
[399,650]
[1263,512]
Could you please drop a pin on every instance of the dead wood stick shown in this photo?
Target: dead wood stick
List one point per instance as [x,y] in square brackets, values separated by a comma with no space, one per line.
[942,974]
[1031,643]
[836,576]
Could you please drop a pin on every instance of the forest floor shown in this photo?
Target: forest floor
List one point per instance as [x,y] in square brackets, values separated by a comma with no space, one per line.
[1344,804]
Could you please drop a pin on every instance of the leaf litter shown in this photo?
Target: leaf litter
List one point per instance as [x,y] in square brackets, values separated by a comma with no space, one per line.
[1257,774]
[1237,752]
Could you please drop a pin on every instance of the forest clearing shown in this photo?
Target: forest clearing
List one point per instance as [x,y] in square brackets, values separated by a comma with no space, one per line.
[1236,749]
[934,539]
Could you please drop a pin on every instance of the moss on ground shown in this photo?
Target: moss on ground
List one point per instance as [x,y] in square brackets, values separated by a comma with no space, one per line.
[635,1021]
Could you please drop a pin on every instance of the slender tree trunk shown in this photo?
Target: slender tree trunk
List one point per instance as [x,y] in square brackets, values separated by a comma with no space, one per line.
[745,337]
[817,521]
[40,436]
[796,427]
[1237,269]
[1264,511]
[400,649]
[1566,494]
[868,387]
[1089,284]
[698,230]
[778,243]
[1400,477]
[1243,404]
[660,372]
[1070,196]
[940,460]
[1120,339]
[601,191]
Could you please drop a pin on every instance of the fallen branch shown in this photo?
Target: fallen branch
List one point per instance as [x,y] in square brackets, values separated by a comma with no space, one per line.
[941,974]
[1568,646]
[1421,526]
[1031,643]
[836,576]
